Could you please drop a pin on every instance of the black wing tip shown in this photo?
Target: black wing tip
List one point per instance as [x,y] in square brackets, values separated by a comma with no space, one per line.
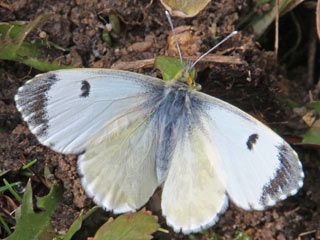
[287,180]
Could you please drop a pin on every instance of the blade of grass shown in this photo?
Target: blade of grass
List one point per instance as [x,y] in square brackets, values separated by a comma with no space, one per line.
[318,18]
[3,172]
[29,164]
[16,195]
[5,226]
[4,188]
[163,230]
[26,173]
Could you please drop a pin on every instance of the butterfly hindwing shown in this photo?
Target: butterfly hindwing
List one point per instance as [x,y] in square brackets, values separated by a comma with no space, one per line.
[260,167]
[118,168]
[194,193]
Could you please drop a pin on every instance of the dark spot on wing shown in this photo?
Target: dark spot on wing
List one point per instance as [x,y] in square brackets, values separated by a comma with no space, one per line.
[252,140]
[85,89]
[286,178]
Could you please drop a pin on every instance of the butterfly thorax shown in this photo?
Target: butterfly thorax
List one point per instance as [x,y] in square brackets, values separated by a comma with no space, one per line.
[185,79]
[178,110]
[172,117]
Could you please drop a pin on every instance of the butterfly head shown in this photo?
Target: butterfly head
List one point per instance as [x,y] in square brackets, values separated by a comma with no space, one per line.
[186,76]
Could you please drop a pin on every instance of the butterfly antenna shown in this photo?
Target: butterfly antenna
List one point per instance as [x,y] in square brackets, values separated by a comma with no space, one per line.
[174,35]
[209,51]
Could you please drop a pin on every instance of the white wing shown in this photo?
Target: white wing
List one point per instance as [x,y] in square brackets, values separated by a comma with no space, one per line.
[66,108]
[260,167]
[118,168]
[194,193]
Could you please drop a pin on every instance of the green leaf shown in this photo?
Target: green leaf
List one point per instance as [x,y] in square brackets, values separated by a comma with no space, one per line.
[184,8]
[240,235]
[135,226]
[288,103]
[14,47]
[312,136]
[115,23]
[315,106]
[263,23]
[106,38]
[76,225]
[33,225]
[14,27]
[259,23]
[205,234]
[170,67]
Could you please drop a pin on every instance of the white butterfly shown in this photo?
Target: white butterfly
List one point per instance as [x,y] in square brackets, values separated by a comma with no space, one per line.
[134,133]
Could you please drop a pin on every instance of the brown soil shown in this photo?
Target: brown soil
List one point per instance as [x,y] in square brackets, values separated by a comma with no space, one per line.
[253,86]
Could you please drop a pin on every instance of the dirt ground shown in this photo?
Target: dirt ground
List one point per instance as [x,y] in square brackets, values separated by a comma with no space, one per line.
[254,86]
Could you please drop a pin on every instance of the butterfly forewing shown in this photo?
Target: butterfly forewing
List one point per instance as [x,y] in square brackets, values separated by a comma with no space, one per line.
[260,167]
[64,109]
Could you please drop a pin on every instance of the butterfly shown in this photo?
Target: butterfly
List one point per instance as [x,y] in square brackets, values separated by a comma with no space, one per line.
[134,133]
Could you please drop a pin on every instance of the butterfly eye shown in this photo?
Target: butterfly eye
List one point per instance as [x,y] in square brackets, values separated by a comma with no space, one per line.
[197,86]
